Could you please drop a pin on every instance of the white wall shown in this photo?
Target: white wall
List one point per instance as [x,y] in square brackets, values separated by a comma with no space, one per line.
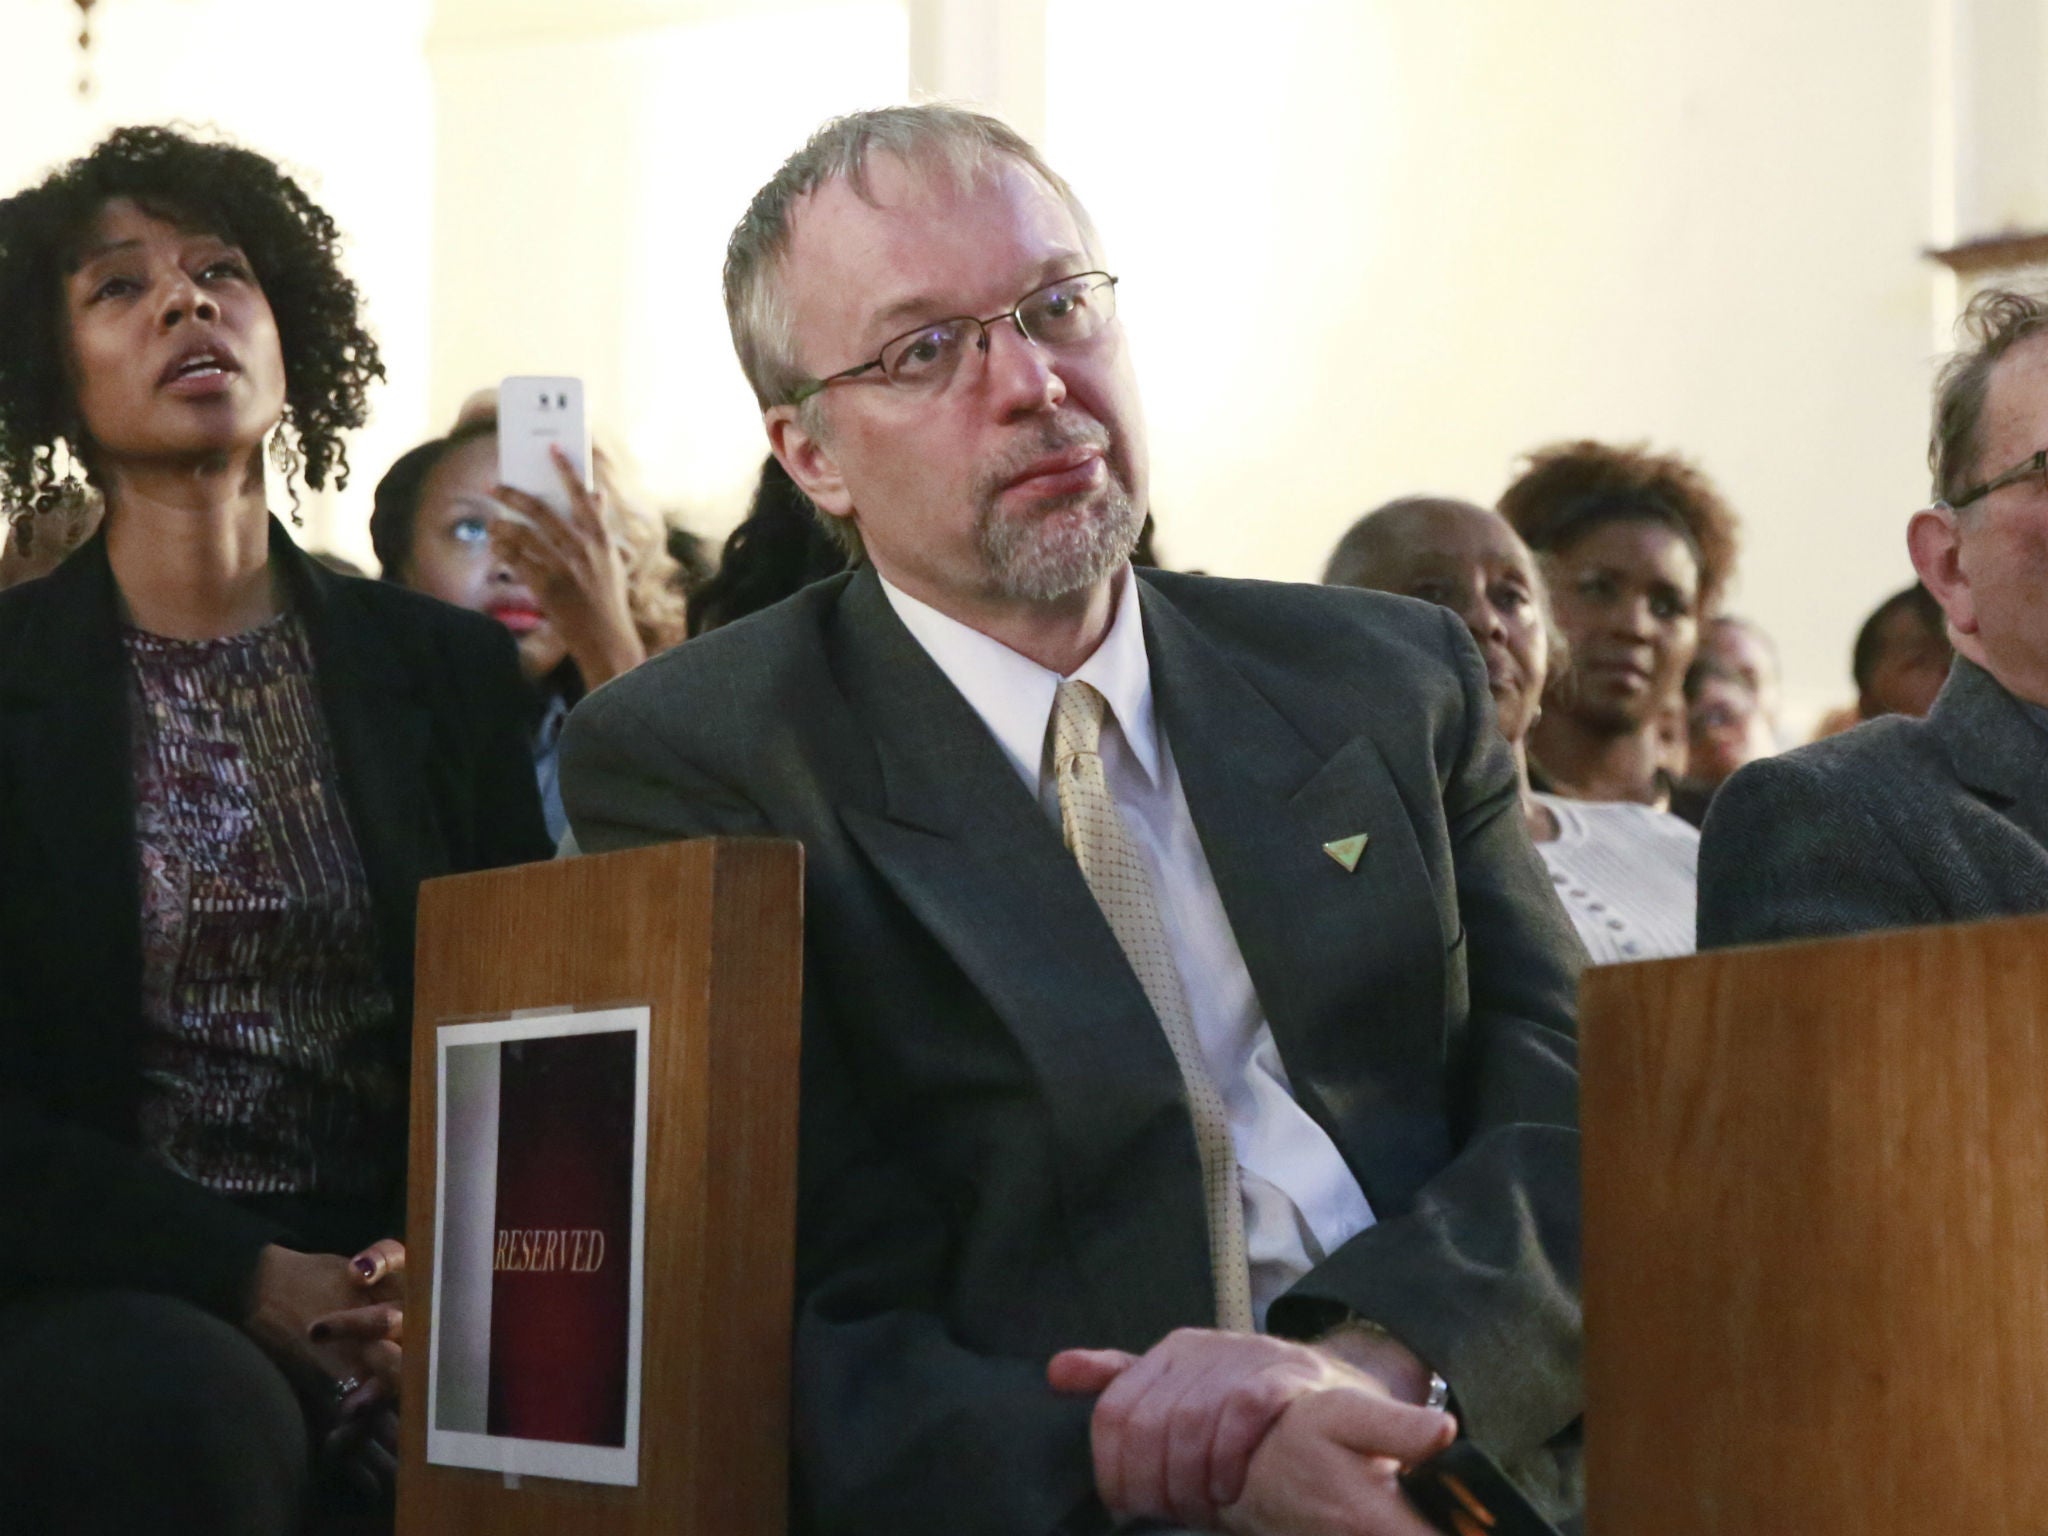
[1470,227]
[587,181]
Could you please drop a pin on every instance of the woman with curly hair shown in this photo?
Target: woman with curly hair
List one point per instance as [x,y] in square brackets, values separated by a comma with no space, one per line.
[781,545]
[587,596]
[1637,548]
[223,773]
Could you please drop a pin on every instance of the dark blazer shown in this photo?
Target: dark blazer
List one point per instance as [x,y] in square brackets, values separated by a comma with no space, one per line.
[426,713]
[997,1159]
[1895,823]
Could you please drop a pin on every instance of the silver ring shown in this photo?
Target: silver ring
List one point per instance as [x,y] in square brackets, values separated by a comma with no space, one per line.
[346,1385]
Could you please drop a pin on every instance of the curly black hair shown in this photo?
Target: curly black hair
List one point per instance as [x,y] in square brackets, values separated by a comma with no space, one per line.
[1568,489]
[225,190]
[782,545]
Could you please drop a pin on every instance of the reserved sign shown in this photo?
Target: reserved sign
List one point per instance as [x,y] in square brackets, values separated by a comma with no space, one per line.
[539,1236]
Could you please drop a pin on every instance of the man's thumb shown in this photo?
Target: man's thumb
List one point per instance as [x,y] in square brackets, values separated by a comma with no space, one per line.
[1087,1370]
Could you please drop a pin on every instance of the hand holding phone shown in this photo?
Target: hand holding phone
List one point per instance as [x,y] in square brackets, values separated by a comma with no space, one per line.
[535,415]
[552,530]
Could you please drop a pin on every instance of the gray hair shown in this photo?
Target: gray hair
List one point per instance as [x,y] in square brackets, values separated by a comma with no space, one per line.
[1368,543]
[1379,533]
[956,141]
[1992,324]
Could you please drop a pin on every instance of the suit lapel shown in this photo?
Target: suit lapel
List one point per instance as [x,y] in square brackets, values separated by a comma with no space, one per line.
[1344,962]
[966,847]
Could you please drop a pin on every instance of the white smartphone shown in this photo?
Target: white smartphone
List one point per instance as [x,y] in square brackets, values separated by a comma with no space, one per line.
[534,415]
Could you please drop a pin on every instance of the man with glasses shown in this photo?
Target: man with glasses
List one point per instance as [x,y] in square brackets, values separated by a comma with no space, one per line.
[1901,821]
[1189,1085]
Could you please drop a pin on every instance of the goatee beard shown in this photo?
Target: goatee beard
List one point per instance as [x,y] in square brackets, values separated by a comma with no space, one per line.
[1049,551]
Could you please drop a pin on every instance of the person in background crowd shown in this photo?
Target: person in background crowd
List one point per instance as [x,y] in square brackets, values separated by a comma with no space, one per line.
[1743,649]
[1902,656]
[1625,872]
[782,544]
[223,773]
[1906,821]
[1637,547]
[691,553]
[1674,748]
[1151,921]
[586,597]
[1726,726]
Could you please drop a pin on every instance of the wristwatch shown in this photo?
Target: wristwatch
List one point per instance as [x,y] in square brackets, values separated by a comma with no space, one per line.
[1439,1389]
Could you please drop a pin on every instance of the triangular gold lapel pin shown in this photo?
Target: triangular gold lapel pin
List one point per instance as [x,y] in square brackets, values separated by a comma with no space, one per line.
[1347,851]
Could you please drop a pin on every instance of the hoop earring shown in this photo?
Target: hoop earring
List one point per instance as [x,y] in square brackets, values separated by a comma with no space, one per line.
[286,460]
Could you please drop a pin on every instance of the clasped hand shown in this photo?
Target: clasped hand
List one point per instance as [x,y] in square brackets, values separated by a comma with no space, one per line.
[336,1326]
[1251,1434]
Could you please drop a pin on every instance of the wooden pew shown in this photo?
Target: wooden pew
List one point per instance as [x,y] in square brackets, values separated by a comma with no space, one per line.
[1816,1242]
[709,936]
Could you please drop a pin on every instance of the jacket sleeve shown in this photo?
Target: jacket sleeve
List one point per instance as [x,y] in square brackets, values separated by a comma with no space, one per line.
[1788,854]
[899,1428]
[78,1208]
[1480,1276]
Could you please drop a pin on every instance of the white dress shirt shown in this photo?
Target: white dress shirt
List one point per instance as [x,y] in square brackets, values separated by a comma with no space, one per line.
[1300,1200]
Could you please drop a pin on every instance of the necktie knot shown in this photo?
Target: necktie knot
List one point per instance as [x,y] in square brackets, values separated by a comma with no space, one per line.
[1077,711]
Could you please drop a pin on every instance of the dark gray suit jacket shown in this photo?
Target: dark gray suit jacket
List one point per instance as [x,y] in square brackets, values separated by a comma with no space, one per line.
[997,1160]
[1896,823]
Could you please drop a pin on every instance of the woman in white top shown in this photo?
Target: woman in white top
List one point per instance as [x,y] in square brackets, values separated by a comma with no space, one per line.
[1625,872]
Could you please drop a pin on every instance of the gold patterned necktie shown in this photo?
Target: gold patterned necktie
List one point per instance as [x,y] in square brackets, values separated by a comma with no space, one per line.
[1116,874]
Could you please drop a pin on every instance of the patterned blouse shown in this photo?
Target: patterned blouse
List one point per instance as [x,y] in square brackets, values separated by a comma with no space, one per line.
[268,1055]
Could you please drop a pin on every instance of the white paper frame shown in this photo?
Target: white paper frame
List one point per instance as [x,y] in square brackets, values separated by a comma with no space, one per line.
[617,1465]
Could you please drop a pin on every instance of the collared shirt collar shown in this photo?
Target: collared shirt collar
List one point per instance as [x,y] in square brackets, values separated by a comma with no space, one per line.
[1013,694]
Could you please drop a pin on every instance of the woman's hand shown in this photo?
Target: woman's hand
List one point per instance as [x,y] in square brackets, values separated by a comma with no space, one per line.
[335,1327]
[576,571]
[293,1290]
[362,1446]
[371,1329]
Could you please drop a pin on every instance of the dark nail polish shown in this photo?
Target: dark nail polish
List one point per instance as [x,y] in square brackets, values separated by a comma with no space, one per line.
[366,1267]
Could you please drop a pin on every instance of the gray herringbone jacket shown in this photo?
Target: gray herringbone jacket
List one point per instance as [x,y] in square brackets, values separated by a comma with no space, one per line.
[1896,823]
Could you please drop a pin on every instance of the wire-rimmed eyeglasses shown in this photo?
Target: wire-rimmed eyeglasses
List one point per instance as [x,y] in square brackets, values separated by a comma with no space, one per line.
[1059,314]
[2035,467]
